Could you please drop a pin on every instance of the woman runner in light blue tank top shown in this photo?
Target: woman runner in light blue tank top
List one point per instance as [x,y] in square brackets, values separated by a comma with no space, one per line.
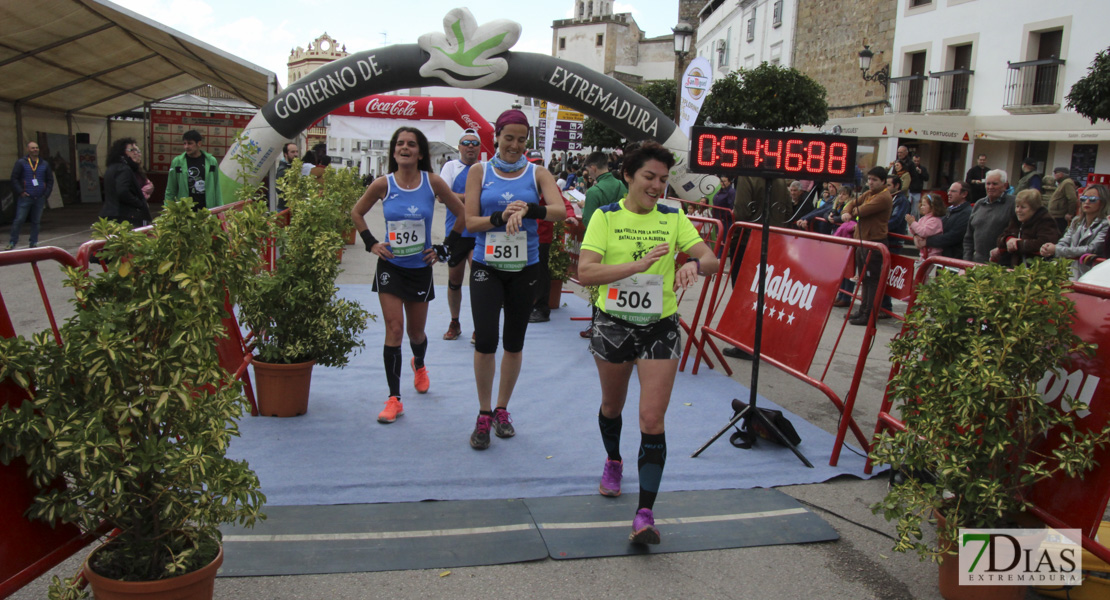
[502,206]
[403,278]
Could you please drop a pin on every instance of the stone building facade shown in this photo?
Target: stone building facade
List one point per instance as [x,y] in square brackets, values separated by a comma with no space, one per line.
[828,37]
[612,43]
[320,51]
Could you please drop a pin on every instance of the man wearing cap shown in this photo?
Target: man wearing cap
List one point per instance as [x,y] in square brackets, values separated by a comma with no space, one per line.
[454,172]
[1030,177]
[32,181]
[1064,203]
[194,174]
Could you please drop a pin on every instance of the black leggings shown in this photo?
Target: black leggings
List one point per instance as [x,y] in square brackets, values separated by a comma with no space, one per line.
[490,289]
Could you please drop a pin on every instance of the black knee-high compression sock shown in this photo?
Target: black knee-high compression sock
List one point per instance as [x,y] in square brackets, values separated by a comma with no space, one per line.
[418,352]
[610,435]
[653,454]
[391,356]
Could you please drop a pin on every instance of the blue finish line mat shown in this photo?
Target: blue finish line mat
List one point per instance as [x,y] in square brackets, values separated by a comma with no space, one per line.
[300,540]
[338,453]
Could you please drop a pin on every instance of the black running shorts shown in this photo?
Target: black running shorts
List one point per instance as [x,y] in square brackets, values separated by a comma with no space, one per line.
[618,341]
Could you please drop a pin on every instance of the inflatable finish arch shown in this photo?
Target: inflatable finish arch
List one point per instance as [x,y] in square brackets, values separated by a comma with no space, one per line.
[466,55]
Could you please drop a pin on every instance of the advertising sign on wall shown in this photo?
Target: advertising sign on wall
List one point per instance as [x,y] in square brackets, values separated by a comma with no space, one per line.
[166,126]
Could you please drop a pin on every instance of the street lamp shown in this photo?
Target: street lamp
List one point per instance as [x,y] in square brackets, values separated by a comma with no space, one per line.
[882,75]
[683,35]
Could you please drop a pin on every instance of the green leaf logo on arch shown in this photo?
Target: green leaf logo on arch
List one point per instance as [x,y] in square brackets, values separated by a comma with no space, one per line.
[463,56]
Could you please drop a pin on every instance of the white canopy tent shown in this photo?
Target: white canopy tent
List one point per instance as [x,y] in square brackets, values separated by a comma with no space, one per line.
[92,58]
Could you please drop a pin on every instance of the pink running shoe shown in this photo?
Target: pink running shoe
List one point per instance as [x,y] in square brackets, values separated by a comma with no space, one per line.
[643,528]
[611,478]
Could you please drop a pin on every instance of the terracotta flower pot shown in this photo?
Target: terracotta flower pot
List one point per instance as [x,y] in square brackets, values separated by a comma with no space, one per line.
[555,298]
[349,237]
[948,580]
[197,585]
[282,390]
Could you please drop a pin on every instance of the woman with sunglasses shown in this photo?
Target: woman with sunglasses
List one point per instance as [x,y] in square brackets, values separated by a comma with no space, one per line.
[403,276]
[505,198]
[629,251]
[124,201]
[1086,233]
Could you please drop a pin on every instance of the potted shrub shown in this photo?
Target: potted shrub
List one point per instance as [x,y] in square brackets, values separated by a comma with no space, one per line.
[342,187]
[132,411]
[970,356]
[294,310]
[558,264]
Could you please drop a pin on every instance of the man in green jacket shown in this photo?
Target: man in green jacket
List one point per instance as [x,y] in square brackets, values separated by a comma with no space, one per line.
[606,189]
[194,174]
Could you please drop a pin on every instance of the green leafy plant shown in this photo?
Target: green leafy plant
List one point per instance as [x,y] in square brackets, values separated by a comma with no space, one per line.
[970,357]
[558,261]
[294,310]
[128,420]
[341,187]
[766,97]
[1090,96]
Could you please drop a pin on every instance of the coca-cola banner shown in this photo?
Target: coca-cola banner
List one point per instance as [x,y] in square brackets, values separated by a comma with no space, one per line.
[899,280]
[357,128]
[433,109]
[803,275]
[465,55]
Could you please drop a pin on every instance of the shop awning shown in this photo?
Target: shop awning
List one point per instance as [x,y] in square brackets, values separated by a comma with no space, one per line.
[1050,135]
[91,57]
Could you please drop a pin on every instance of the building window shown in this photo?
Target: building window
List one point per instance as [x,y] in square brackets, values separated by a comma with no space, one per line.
[751,28]
[917,3]
[562,43]
[581,9]
[1033,86]
[600,40]
[776,20]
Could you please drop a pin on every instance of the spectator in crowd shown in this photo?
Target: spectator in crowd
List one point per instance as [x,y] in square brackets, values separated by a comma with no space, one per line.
[1029,230]
[194,174]
[871,211]
[989,217]
[1086,236]
[950,241]
[32,180]
[976,178]
[1064,204]
[1030,176]
[289,153]
[919,176]
[308,162]
[124,201]
[725,199]
[932,210]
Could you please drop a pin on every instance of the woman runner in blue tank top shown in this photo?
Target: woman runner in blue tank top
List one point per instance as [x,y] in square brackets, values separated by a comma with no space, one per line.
[403,278]
[502,206]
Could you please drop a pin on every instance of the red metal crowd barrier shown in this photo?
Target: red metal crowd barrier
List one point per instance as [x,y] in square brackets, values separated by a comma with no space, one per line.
[29,548]
[1059,502]
[803,278]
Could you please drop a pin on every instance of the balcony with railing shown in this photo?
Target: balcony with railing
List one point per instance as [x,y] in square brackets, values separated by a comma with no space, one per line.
[907,94]
[949,91]
[1034,87]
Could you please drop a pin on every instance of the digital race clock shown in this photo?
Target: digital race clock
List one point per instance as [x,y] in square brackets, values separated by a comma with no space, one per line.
[727,151]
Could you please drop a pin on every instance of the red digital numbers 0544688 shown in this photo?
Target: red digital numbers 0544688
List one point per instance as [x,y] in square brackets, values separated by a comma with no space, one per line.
[799,156]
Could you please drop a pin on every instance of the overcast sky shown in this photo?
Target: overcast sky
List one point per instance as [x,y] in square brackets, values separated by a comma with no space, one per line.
[265,31]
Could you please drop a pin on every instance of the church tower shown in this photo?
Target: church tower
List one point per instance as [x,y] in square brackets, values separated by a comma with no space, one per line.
[321,51]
